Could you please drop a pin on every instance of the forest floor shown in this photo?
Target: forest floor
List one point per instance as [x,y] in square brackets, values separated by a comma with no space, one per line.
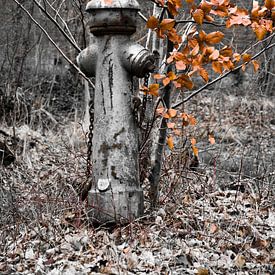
[219,219]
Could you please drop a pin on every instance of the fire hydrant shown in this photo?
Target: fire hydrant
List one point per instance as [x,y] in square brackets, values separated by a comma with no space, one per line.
[116,195]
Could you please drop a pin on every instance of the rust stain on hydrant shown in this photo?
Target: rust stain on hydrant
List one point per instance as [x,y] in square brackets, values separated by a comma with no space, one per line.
[113,59]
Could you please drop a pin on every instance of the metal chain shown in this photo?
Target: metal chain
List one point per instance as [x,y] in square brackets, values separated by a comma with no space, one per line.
[144,100]
[90,138]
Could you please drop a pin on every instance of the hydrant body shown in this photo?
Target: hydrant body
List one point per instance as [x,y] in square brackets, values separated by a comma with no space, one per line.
[113,59]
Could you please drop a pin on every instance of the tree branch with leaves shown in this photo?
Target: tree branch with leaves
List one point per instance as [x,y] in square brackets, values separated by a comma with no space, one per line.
[200,54]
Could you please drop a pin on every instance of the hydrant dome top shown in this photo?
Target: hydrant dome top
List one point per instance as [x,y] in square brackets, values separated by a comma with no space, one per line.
[112,4]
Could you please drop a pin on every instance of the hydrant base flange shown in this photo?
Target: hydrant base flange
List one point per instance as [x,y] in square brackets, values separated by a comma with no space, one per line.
[118,206]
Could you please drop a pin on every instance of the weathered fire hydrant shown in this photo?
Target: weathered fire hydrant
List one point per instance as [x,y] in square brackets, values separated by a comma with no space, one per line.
[113,59]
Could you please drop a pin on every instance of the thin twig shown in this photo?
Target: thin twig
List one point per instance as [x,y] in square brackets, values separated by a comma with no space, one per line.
[151,126]
[54,44]
[142,16]
[205,22]
[57,25]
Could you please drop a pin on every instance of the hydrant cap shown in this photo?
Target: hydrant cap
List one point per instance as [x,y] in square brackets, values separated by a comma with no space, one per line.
[110,4]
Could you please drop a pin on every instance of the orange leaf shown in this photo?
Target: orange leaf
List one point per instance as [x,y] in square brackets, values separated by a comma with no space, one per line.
[161,2]
[256,65]
[160,33]
[179,56]
[172,113]
[246,57]
[144,89]
[237,57]
[204,74]
[206,6]
[173,6]
[184,81]
[267,23]
[174,37]
[214,55]
[176,3]
[171,75]
[192,42]
[255,9]
[220,11]
[195,51]
[170,59]
[192,120]
[152,22]
[193,141]
[185,117]
[228,65]
[195,150]
[269,4]
[167,24]
[159,76]
[217,67]
[180,65]
[209,18]
[226,51]
[171,125]
[208,50]
[211,139]
[170,142]
[214,37]
[260,32]
[213,228]
[166,81]
[239,19]
[160,111]
[153,89]
[198,16]
[202,35]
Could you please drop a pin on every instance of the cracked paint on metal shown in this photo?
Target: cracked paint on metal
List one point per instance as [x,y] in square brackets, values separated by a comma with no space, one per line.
[111,80]
[103,102]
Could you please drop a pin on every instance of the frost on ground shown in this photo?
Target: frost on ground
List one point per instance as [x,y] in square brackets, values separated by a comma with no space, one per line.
[206,223]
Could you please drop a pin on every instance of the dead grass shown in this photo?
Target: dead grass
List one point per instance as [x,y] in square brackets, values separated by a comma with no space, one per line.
[218,219]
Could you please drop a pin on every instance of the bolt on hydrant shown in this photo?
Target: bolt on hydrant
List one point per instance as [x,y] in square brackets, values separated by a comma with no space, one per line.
[116,195]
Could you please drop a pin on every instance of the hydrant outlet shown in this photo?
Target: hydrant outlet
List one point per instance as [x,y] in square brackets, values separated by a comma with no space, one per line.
[143,63]
[137,60]
[87,60]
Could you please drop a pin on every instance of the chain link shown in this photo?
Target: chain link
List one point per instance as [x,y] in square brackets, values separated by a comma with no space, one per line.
[90,138]
[144,100]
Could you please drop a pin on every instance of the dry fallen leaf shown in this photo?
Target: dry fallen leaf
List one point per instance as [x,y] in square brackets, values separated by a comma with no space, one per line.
[202,271]
[213,228]
[239,261]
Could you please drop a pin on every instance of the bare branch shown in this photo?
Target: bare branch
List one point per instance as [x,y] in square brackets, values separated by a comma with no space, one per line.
[54,44]
[142,16]
[58,26]
[82,22]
